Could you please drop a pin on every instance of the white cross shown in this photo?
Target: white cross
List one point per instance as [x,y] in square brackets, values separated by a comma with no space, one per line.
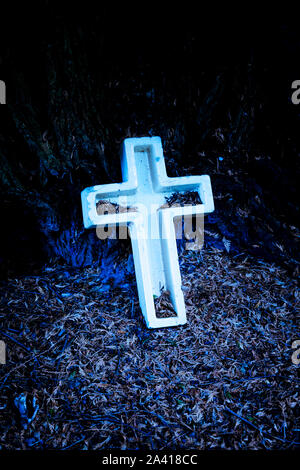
[145,186]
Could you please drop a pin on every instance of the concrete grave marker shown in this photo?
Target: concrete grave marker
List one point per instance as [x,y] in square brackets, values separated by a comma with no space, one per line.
[141,196]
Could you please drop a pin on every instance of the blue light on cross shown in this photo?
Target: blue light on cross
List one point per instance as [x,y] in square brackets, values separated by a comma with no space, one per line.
[145,188]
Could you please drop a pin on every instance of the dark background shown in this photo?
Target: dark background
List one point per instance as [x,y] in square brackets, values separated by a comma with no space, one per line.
[217,91]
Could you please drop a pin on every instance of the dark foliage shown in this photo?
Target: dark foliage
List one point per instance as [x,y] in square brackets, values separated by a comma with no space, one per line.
[214,93]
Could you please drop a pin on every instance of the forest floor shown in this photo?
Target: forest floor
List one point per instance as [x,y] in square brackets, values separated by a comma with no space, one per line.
[83,371]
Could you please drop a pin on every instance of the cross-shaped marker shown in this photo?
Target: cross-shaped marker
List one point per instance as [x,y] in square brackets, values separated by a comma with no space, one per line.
[145,188]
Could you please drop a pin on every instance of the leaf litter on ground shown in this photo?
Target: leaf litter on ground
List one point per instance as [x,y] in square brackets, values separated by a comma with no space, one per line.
[78,348]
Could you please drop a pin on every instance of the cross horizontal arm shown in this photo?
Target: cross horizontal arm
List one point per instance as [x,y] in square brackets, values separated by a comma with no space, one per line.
[110,192]
[200,184]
